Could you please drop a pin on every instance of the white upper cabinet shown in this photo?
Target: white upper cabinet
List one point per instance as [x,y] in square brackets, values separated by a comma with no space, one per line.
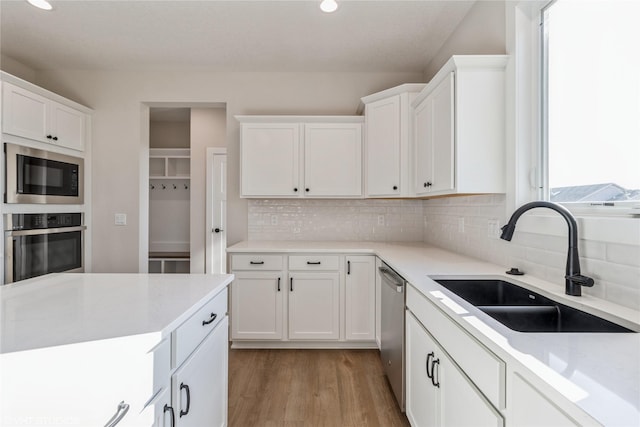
[301,156]
[30,115]
[269,159]
[333,160]
[460,128]
[388,142]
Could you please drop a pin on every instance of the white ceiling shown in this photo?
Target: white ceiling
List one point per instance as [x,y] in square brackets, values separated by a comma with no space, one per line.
[238,35]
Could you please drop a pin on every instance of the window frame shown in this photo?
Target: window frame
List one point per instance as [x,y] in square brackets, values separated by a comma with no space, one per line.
[617,209]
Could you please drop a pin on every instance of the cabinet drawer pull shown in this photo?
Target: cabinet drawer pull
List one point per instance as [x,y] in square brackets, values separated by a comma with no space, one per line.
[348,267]
[428,364]
[122,410]
[313,262]
[434,381]
[291,284]
[278,284]
[256,262]
[211,319]
[173,415]
[186,387]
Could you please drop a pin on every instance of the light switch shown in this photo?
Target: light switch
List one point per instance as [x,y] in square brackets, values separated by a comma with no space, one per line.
[121,219]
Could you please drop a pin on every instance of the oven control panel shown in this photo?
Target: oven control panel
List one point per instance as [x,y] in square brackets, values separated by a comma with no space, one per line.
[43,220]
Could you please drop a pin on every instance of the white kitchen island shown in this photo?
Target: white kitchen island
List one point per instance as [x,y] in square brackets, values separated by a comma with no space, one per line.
[73,346]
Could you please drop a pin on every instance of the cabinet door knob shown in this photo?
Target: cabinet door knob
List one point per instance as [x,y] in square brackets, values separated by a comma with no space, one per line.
[295,190]
[428,364]
[186,387]
[173,415]
[434,371]
[427,184]
[211,319]
[395,187]
[49,136]
[306,189]
[55,138]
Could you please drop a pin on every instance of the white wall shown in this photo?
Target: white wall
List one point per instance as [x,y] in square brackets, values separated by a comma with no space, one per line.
[208,129]
[481,32]
[169,134]
[117,98]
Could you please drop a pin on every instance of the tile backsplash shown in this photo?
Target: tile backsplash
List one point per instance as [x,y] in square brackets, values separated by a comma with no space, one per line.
[361,220]
[467,225]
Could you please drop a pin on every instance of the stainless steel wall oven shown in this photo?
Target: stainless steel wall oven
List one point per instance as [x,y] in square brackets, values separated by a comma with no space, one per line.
[37,244]
[38,176]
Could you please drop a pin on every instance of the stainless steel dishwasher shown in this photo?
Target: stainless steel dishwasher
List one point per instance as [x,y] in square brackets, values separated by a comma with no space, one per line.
[392,329]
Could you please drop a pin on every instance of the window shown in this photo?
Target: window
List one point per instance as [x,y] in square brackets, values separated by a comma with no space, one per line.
[591,102]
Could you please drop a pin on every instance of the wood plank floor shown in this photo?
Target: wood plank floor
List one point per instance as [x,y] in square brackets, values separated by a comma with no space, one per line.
[345,388]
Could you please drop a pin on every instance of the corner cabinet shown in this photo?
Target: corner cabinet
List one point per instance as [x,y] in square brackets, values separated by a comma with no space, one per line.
[303,300]
[31,114]
[459,127]
[300,156]
[389,141]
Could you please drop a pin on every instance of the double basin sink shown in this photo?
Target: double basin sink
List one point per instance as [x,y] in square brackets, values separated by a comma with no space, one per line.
[525,311]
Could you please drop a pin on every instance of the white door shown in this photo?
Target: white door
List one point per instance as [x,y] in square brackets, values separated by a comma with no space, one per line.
[216,262]
[314,306]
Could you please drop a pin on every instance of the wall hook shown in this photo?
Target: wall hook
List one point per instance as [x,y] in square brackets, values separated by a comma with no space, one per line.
[186,187]
[174,186]
[153,186]
[164,186]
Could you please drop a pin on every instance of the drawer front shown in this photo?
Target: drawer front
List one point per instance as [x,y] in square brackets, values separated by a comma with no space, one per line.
[257,262]
[191,333]
[314,262]
[482,367]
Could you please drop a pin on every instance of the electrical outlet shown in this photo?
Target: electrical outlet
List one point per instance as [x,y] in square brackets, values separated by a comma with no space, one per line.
[380,219]
[461,225]
[121,219]
[493,228]
[274,220]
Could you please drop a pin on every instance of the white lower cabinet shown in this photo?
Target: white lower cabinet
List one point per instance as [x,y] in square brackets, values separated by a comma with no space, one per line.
[256,305]
[200,385]
[314,306]
[360,298]
[438,392]
[303,298]
[194,391]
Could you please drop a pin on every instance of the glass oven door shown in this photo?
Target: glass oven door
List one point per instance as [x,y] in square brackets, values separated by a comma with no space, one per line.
[38,252]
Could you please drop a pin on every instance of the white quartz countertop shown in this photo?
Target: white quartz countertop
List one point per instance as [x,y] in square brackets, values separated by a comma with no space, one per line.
[598,372]
[60,309]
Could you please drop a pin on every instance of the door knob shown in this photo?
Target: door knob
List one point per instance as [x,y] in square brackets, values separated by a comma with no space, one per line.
[217,230]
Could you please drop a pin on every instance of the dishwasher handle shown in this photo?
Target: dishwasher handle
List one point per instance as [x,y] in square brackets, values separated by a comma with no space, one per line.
[391,280]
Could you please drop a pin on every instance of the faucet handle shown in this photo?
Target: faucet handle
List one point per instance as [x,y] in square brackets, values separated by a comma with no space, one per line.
[581,280]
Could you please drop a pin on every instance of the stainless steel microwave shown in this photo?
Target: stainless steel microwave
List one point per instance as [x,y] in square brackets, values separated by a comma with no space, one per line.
[38,176]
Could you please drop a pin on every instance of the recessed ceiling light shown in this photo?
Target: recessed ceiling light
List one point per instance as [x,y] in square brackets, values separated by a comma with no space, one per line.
[328,6]
[41,4]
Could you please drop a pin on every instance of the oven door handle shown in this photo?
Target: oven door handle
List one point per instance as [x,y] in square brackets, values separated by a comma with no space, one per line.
[45,231]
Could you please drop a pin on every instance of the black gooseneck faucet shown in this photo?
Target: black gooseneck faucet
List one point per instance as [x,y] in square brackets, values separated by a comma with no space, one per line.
[573,279]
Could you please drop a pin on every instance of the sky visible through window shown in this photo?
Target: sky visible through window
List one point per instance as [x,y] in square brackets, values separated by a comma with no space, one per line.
[594,100]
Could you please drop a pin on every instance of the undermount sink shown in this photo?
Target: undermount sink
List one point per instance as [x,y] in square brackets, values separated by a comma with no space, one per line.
[525,311]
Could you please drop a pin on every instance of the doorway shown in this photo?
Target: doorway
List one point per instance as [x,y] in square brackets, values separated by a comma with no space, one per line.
[179,135]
